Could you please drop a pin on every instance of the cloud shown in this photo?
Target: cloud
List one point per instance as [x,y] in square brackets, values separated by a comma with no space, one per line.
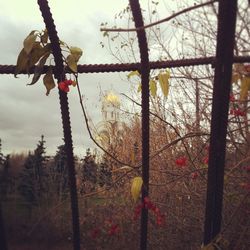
[26,112]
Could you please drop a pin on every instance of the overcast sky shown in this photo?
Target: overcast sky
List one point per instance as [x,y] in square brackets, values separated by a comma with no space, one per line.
[26,112]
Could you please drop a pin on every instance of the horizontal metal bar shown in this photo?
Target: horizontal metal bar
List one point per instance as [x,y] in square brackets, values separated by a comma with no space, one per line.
[123,67]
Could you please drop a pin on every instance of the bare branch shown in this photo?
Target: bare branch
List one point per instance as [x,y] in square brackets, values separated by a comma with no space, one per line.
[160,21]
[90,133]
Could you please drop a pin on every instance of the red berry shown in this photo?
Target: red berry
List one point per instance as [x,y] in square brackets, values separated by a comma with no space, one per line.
[114,229]
[205,160]
[160,220]
[63,87]
[182,161]
[232,98]
[68,82]
[237,112]
[194,175]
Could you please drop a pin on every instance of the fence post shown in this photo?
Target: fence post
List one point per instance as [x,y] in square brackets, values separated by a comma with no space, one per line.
[144,70]
[60,76]
[3,242]
[220,106]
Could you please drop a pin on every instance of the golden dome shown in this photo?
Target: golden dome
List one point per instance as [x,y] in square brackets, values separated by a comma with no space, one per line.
[111,98]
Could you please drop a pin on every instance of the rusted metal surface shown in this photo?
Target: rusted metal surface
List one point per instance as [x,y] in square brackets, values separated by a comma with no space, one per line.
[123,67]
[59,75]
[220,106]
[144,70]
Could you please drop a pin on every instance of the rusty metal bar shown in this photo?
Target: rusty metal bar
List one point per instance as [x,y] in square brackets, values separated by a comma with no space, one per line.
[144,70]
[220,106]
[3,242]
[123,67]
[59,75]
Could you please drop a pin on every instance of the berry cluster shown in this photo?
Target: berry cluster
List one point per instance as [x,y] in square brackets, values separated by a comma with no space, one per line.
[237,112]
[148,204]
[64,85]
[109,228]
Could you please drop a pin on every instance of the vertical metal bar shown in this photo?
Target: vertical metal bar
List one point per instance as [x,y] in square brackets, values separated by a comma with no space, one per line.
[59,74]
[144,70]
[220,106]
[3,242]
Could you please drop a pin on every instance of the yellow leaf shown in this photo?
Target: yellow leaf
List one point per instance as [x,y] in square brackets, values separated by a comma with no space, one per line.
[133,73]
[139,88]
[244,87]
[22,62]
[164,82]
[39,69]
[76,53]
[71,63]
[49,81]
[44,36]
[37,52]
[136,187]
[29,41]
[153,87]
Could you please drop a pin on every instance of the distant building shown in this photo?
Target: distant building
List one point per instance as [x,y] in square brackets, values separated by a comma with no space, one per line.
[110,107]
[109,128]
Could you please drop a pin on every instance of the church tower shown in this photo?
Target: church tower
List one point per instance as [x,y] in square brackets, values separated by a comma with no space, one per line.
[111,107]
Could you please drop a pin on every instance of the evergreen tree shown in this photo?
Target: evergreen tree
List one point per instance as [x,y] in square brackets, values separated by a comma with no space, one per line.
[32,178]
[59,171]
[1,156]
[27,180]
[40,160]
[88,173]
[4,174]
[105,174]
[89,168]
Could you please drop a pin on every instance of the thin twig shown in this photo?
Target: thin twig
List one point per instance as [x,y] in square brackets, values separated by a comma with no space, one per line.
[179,177]
[189,135]
[234,213]
[90,133]
[160,21]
